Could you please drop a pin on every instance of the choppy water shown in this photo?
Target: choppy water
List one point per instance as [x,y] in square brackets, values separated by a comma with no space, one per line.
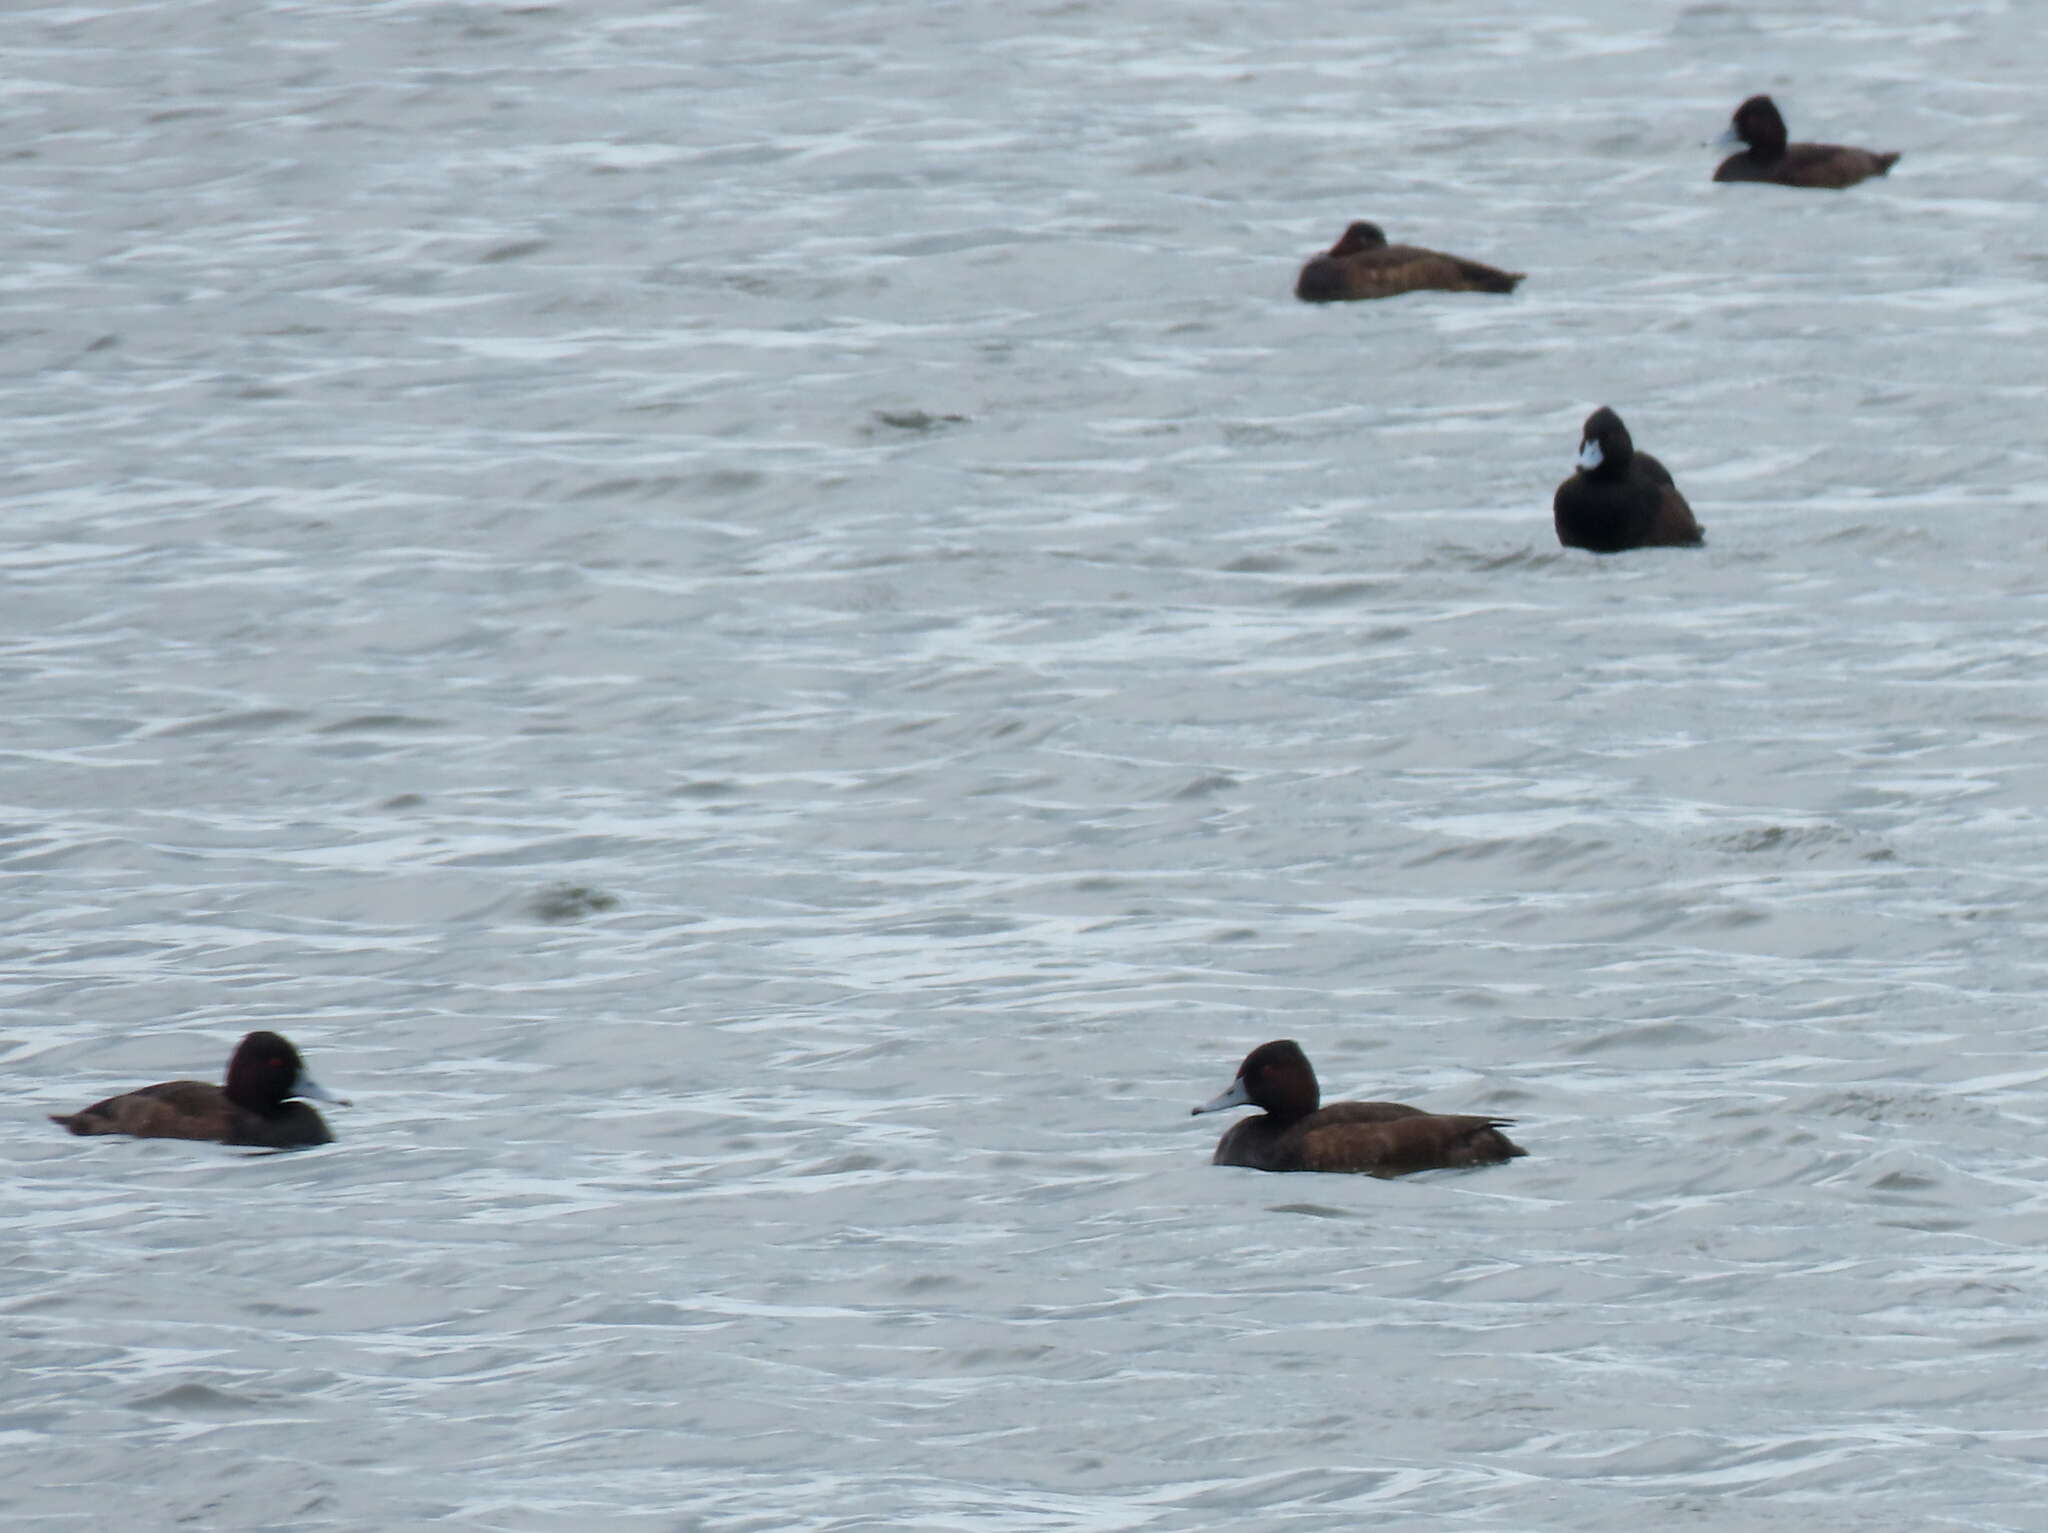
[849,484]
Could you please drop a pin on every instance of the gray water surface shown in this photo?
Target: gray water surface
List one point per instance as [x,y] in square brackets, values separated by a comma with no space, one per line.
[766,632]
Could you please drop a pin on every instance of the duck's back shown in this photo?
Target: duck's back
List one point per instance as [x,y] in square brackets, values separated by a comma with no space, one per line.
[173,1110]
[1827,167]
[1422,1142]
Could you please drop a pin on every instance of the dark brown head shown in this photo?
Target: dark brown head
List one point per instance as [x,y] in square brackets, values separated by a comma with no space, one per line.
[266,1072]
[1605,447]
[1360,236]
[1276,1076]
[1757,123]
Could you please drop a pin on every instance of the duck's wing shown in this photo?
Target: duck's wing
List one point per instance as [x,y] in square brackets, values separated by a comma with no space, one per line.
[173,1110]
[1397,1146]
[1831,166]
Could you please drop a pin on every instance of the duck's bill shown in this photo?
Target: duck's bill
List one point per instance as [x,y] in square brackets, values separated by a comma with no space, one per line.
[1234,1097]
[306,1086]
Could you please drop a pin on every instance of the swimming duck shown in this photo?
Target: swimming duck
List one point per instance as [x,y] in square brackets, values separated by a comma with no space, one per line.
[1294,1133]
[1619,498]
[1768,157]
[1363,265]
[254,1108]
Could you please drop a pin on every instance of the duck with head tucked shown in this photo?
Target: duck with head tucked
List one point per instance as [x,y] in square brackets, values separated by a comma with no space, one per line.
[256,1107]
[1620,498]
[1767,157]
[1363,265]
[1296,1133]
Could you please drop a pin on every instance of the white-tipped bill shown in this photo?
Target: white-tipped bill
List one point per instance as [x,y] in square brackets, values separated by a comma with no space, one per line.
[1236,1096]
[306,1086]
[1590,455]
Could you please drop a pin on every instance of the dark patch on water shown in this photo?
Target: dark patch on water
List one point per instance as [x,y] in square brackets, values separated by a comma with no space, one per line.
[561,903]
[921,421]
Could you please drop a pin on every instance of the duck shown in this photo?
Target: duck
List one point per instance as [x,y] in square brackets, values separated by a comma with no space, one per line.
[1294,1133]
[1620,498]
[256,1107]
[1363,265]
[1767,157]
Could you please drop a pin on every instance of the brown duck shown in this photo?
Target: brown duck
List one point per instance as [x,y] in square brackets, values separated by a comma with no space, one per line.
[1377,1138]
[1768,157]
[1621,497]
[1363,265]
[254,1108]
